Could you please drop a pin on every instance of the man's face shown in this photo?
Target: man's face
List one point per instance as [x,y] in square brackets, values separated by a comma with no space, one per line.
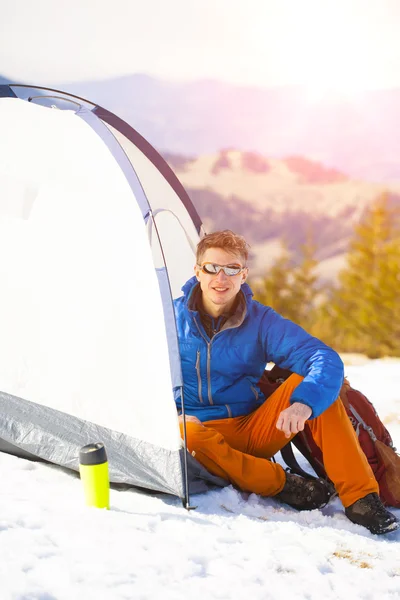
[219,291]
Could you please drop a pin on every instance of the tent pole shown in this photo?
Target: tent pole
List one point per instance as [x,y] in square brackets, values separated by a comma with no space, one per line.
[186,499]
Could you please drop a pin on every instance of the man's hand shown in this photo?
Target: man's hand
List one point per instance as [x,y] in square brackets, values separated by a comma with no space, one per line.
[292,419]
[191,418]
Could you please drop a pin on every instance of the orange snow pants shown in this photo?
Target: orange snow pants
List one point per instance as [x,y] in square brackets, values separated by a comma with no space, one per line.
[238,449]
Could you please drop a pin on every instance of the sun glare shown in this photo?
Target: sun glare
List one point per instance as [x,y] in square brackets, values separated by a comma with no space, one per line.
[345,86]
[336,73]
[328,50]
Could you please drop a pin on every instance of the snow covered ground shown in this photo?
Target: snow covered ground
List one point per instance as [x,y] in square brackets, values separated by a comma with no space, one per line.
[233,546]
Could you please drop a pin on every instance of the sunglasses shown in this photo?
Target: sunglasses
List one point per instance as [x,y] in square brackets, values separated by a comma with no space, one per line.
[213,269]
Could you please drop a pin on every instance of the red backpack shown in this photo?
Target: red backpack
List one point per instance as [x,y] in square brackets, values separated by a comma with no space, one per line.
[374,438]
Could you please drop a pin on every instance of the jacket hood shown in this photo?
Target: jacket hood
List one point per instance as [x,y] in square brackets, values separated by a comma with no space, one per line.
[190,285]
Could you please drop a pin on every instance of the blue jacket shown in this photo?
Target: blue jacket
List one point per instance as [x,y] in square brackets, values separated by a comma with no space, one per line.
[220,375]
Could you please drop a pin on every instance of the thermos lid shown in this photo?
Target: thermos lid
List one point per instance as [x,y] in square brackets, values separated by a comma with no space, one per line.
[93,454]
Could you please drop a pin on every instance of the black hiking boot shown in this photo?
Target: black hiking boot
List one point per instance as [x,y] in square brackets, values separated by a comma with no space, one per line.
[370,513]
[305,494]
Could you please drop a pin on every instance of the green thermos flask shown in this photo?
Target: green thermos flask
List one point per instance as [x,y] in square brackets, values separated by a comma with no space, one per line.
[93,469]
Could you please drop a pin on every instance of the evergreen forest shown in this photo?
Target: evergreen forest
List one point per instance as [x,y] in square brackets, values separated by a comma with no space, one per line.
[360,312]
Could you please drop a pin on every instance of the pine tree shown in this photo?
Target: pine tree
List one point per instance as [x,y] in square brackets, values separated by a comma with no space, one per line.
[291,290]
[304,289]
[365,306]
[274,290]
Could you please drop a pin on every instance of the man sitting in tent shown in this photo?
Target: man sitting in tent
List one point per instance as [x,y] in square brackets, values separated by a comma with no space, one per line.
[226,339]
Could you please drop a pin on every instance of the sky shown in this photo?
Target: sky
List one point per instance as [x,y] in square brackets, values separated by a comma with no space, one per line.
[345,45]
[233,546]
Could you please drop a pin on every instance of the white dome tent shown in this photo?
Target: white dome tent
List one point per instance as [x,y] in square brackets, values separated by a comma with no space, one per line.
[97,236]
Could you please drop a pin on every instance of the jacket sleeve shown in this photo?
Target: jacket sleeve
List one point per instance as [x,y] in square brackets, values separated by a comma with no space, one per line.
[291,347]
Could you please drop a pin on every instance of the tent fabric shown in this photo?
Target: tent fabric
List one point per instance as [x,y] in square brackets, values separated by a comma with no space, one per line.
[114,147]
[95,241]
[126,166]
[172,231]
[120,127]
[169,319]
[55,435]
[79,319]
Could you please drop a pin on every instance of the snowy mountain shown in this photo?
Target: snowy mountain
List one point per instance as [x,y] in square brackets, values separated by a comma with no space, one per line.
[357,135]
[270,163]
[268,199]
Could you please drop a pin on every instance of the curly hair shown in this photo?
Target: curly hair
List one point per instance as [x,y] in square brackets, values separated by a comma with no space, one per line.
[227,240]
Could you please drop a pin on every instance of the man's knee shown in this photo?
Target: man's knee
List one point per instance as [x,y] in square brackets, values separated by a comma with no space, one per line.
[199,436]
[193,430]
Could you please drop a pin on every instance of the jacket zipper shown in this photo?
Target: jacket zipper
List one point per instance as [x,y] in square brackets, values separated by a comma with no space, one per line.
[208,363]
[209,373]
[199,377]
[209,368]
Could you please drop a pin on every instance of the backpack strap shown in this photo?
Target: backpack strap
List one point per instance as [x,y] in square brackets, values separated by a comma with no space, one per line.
[291,461]
[363,423]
